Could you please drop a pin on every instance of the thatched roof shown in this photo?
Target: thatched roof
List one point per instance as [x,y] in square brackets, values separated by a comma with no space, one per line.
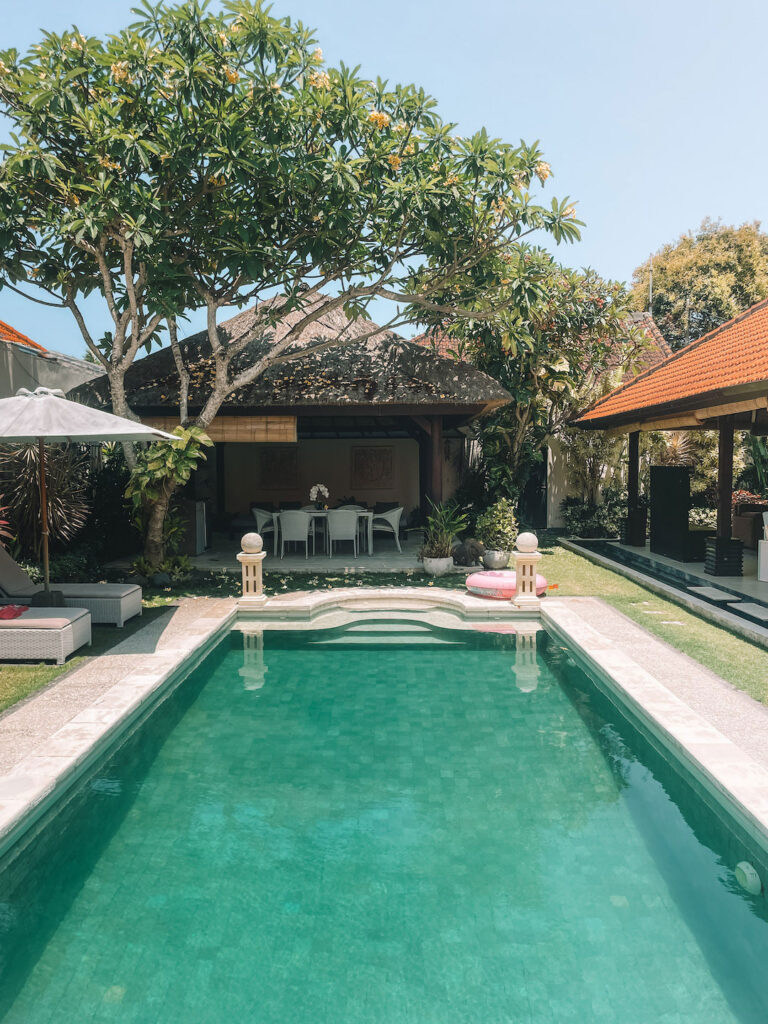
[381,372]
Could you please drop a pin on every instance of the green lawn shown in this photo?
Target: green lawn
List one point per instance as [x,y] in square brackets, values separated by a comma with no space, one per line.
[742,663]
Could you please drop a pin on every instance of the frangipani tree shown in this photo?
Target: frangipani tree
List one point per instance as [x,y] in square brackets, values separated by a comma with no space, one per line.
[551,350]
[205,159]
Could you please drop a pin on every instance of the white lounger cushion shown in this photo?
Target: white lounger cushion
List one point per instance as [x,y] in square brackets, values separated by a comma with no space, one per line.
[113,590]
[44,618]
[44,634]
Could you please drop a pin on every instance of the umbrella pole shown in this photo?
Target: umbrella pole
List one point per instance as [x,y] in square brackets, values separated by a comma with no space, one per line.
[44,514]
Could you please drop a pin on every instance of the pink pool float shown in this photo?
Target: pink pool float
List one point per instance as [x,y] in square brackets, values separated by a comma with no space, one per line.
[499,584]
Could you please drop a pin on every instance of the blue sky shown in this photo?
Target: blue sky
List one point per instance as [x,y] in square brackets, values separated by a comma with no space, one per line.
[651,114]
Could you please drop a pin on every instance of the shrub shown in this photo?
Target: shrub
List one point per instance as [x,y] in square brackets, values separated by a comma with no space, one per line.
[497,526]
[177,567]
[706,517]
[443,524]
[585,519]
[66,480]
[78,565]
[110,528]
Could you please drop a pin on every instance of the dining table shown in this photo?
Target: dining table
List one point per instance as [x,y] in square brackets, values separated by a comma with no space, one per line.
[322,513]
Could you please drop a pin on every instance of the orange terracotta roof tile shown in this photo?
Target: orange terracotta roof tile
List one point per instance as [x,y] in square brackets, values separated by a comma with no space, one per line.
[734,354]
[8,333]
[437,340]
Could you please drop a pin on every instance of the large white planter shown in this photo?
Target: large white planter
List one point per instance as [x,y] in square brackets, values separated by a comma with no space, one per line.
[438,566]
[494,558]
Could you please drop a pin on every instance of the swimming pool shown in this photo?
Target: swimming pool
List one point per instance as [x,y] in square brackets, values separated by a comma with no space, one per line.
[384,823]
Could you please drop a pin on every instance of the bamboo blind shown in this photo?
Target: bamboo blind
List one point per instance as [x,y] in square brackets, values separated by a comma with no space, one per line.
[245,429]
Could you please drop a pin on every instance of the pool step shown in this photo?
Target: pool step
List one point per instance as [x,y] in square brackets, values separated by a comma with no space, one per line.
[387,627]
[349,639]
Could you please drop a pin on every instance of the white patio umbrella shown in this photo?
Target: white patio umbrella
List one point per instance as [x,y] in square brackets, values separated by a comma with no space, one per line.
[45,416]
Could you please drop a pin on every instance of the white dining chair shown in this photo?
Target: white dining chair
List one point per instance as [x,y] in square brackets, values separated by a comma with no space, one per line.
[265,521]
[342,525]
[389,522]
[361,524]
[315,523]
[295,527]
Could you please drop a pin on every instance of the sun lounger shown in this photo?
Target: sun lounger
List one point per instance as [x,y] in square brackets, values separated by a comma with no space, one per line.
[113,603]
[44,634]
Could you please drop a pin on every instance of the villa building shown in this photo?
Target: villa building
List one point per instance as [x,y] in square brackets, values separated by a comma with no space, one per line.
[377,420]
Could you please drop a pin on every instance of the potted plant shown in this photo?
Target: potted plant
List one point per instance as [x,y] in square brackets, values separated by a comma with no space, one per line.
[444,522]
[315,493]
[497,529]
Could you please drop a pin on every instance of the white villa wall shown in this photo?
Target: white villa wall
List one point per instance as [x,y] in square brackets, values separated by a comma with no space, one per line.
[22,367]
[327,461]
[557,484]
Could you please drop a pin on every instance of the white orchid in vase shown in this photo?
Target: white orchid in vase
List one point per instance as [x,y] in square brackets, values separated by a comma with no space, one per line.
[318,491]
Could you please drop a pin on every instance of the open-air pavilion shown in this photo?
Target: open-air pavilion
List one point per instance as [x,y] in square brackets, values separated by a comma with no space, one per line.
[719,382]
[380,421]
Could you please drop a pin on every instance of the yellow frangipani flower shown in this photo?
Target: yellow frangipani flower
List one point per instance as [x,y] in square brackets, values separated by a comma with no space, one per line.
[379,119]
[319,80]
[120,71]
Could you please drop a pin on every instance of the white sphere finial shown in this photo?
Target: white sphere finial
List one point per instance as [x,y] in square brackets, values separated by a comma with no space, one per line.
[527,542]
[251,543]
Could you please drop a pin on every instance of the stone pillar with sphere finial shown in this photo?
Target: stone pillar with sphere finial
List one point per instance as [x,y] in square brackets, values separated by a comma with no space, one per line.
[251,557]
[527,557]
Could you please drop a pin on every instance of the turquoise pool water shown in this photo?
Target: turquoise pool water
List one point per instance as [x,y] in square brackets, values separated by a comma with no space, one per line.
[352,827]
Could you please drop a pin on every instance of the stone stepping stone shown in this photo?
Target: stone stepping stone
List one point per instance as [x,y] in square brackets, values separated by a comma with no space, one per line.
[754,611]
[711,593]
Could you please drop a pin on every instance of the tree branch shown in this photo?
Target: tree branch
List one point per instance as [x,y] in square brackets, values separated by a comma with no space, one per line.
[40,302]
[181,370]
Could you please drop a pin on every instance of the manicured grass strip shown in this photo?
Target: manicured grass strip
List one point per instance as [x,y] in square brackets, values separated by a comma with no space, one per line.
[18,681]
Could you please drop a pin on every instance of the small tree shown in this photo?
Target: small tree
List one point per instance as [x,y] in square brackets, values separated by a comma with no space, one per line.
[551,351]
[206,160]
[703,279]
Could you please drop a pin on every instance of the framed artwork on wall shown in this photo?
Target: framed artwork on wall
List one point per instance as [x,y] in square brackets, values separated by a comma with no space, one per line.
[372,468]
